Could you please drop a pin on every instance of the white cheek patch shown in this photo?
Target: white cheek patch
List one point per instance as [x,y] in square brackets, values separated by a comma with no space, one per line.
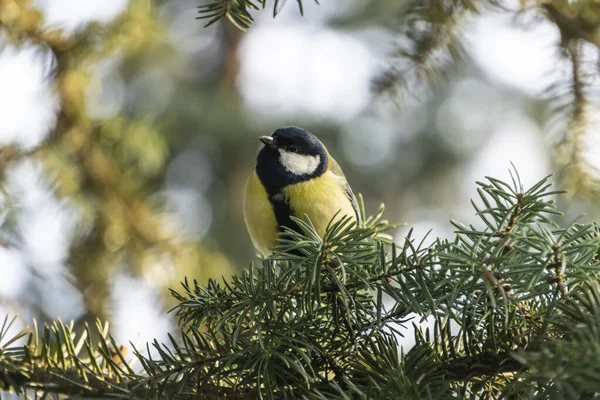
[299,164]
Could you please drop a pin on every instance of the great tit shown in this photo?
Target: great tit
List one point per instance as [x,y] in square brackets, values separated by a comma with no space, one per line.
[294,175]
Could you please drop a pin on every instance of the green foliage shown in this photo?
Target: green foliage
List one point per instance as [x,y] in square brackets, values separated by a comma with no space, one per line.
[514,302]
[237,11]
[111,170]
[576,352]
[56,360]
[431,42]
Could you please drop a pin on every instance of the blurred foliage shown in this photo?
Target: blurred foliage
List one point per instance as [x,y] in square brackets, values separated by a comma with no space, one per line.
[108,168]
[431,46]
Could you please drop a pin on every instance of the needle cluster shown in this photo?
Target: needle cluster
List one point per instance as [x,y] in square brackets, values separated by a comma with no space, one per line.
[512,303]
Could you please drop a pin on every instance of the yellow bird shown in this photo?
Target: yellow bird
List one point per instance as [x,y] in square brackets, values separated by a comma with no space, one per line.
[294,175]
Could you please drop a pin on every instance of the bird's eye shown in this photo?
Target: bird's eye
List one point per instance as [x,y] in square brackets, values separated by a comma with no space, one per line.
[293,148]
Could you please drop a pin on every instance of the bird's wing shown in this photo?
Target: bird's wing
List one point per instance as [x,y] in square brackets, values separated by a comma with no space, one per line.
[335,168]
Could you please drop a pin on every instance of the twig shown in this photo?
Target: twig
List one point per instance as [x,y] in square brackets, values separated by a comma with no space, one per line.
[482,364]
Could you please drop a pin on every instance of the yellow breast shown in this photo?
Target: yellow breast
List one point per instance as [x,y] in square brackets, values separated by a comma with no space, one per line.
[319,198]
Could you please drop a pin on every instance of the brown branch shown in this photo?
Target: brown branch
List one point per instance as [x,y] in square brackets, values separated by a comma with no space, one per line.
[512,219]
[556,266]
[576,128]
[571,22]
[481,364]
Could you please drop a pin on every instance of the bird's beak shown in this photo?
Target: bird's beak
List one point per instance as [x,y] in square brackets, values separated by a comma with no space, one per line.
[268,141]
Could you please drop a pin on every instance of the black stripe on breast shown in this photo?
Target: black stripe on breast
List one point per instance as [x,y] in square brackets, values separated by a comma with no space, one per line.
[283,211]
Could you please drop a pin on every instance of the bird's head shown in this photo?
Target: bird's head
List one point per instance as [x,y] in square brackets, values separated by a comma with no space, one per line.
[290,155]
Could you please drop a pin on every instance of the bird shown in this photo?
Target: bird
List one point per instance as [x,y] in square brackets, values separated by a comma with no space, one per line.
[294,176]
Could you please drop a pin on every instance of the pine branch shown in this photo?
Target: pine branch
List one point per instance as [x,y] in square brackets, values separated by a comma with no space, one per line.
[430,45]
[578,173]
[568,365]
[321,318]
[576,21]
[482,364]
[237,11]
[58,361]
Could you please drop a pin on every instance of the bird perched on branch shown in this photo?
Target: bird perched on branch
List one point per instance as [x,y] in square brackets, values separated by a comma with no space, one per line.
[294,175]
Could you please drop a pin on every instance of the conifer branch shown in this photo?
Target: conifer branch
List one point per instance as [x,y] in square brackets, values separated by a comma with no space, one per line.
[431,43]
[303,326]
[482,364]
[576,21]
[237,11]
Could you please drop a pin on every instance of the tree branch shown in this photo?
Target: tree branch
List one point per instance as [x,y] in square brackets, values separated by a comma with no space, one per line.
[482,364]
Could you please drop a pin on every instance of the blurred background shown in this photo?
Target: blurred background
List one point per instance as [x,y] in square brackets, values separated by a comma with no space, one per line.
[127,130]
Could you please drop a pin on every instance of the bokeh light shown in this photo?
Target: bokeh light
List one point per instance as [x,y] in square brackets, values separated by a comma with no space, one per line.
[71,15]
[524,57]
[302,70]
[29,106]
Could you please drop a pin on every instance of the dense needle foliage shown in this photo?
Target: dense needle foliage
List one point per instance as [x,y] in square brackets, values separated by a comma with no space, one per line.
[514,304]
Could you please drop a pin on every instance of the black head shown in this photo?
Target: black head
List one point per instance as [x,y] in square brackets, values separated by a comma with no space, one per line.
[290,155]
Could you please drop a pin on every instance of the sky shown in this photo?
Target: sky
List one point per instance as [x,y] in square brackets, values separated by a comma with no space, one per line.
[290,66]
